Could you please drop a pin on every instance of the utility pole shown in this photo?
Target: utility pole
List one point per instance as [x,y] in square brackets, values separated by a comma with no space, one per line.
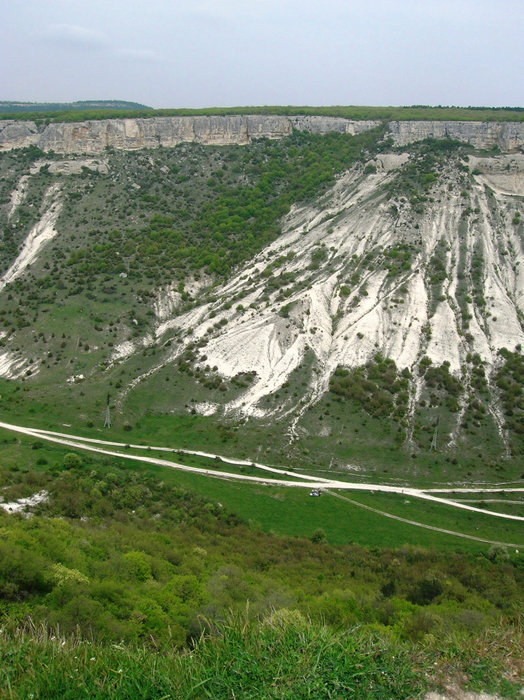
[107,422]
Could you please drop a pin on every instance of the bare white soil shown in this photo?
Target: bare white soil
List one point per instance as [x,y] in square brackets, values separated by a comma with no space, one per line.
[24,504]
[17,196]
[455,693]
[40,234]
[340,321]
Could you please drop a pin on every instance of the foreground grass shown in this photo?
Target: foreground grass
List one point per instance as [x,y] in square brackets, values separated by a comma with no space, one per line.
[283,656]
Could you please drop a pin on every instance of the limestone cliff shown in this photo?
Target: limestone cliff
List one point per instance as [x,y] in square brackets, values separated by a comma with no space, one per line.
[508,136]
[93,137]
[131,134]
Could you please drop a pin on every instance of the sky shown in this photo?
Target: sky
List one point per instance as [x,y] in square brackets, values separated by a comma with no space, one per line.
[202,53]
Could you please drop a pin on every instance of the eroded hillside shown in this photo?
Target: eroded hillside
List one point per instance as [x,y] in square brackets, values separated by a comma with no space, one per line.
[278,282]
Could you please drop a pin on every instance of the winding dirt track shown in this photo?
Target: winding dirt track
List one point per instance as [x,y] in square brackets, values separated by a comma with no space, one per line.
[301,481]
[423,525]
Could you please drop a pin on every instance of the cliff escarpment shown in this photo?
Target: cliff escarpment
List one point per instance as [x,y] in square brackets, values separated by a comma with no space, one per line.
[93,137]
[133,134]
[507,136]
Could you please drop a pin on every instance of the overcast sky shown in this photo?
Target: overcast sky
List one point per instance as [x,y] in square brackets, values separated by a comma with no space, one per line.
[198,53]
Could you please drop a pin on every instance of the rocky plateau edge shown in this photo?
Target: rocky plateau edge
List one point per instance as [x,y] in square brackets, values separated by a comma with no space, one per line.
[93,137]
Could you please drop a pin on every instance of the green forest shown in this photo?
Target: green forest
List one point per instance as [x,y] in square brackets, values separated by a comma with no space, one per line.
[415,112]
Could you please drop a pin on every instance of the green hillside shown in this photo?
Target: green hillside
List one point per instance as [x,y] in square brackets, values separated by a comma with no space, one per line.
[127,563]
[185,219]
[191,339]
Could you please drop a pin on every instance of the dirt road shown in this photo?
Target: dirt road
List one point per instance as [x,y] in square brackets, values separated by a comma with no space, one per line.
[300,481]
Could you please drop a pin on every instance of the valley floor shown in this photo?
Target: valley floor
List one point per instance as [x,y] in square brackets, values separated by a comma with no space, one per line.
[314,483]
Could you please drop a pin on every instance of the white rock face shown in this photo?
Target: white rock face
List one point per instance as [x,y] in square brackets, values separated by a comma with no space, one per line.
[507,136]
[334,318]
[504,173]
[93,137]
[132,134]
[11,367]
[72,166]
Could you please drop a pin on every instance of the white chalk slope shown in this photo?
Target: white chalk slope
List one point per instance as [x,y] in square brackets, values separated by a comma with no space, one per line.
[38,237]
[314,293]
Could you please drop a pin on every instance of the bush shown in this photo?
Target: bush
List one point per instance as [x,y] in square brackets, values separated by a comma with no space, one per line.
[137,565]
[498,553]
[72,461]
[376,387]
[426,591]
[319,536]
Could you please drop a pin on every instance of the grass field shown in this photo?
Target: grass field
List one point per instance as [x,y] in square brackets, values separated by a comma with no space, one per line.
[291,511]
[354,450]
[443,516]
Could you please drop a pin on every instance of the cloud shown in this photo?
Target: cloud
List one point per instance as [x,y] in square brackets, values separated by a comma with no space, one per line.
[138,54]
[72,35]
[233,9]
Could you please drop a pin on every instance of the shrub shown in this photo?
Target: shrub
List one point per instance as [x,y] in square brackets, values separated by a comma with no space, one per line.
[137,565]
[72,461]
[319,536]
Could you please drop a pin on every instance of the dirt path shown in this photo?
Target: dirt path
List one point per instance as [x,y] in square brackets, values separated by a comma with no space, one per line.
[417,524]
[88,444]
[196,453]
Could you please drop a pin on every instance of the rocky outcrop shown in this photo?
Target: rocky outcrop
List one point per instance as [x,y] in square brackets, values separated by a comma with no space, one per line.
[93,137]
[16,134]
[132,134]
[322,125]
[508,136]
